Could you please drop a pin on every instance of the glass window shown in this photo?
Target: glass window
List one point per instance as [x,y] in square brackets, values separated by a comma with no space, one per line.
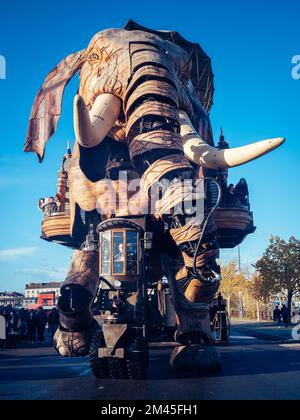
[105,253]
[131,252]
[119,253]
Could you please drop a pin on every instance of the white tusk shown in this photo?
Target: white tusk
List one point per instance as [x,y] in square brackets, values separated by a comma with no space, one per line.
[91,127]
[201,153]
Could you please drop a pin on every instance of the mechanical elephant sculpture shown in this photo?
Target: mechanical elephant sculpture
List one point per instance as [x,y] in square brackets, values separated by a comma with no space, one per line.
[139,110]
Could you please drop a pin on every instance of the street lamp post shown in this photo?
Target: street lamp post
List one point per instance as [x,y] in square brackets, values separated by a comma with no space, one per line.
[239,258]
[241,306]
[257,309]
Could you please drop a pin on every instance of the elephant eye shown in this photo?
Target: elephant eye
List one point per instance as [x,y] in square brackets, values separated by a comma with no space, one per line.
[95,56]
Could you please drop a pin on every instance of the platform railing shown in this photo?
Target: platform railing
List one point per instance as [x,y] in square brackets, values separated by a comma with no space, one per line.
[55,209]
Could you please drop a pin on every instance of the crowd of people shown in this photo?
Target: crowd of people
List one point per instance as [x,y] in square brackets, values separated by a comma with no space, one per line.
[282,315]
[49,206]
[238,195]
[234,196]
[27,326]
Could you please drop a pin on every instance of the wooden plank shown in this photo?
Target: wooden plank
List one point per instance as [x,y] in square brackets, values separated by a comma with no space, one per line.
[56,225]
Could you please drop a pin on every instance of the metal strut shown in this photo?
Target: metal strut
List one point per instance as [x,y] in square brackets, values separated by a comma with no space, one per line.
[196,271]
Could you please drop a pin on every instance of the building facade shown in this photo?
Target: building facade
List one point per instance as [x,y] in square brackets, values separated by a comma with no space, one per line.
[11,298]
[33,290]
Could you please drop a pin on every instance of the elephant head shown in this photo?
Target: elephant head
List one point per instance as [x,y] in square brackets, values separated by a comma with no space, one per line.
[113,80]
[47,107]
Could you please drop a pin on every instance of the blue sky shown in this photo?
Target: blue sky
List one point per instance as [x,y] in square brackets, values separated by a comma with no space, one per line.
[251,44]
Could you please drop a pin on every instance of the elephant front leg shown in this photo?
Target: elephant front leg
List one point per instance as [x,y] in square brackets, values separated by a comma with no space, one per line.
[196,284]
[192,296]
[78,292]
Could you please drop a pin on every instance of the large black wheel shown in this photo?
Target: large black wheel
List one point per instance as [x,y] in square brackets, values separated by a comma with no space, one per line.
[117,368]
[221,327]
[137,358]
[216,327]
[133,366]
[99,367]
[227,327]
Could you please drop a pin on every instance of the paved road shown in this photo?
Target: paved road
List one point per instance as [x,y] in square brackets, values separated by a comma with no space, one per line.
[254,368]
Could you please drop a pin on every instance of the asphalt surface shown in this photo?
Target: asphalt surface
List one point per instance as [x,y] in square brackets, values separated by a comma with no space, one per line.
[255,368]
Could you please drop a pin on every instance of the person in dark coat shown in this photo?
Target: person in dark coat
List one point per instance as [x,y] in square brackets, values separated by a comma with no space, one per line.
[32,327]
[12,330]
[22,325]
[242,192]
[221,303]
[53,208]
[285,315]
[53,321]
[277,315]
[41,324]
[230,196]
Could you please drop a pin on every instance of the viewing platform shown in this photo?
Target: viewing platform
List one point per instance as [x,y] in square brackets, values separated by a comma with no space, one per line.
[233,217]
[234,224]
[56,228]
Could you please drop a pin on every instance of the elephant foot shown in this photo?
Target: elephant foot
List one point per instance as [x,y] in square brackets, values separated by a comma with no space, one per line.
[196,359]
[74,344]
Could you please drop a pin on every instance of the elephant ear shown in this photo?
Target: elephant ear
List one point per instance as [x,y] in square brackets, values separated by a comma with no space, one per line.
[46,109]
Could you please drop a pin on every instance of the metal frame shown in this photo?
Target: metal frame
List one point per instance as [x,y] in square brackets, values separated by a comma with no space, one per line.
[112,233]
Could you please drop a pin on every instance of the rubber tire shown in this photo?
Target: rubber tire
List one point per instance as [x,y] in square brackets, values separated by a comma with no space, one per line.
[99,367]
[117,368]
[221,324]
[217,328]
[225,328]
[137,363]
